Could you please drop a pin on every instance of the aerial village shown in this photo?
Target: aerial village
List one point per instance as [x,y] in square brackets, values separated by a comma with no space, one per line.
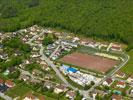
[43,63]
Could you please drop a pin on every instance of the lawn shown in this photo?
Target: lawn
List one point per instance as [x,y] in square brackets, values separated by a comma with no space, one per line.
[49,98]
[18,90]
[128,68]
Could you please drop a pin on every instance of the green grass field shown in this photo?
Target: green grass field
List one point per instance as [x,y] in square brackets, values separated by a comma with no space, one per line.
[128,68]
[19,90]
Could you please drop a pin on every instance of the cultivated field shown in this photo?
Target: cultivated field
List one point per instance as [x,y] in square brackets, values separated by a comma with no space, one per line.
[91,62]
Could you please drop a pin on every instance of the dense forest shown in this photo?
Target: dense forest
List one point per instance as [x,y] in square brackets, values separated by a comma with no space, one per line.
[106,19]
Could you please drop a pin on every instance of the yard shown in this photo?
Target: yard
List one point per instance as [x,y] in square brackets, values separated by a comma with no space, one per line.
[18,90]
[128,68]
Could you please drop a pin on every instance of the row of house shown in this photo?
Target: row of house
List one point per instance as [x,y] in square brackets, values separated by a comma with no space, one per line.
[99,45]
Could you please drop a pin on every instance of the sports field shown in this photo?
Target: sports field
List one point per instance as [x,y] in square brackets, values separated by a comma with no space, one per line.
[91,62]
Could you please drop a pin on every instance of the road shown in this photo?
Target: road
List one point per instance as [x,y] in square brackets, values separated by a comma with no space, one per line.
[111,73]
[118,79]
[82,92]
[55,51]
[33,76]
[50,63]
[2,95]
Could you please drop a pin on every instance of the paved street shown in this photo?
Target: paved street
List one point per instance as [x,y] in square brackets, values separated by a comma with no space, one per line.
[112,72]
[50,63]
[55,51]
[2,95]
[82,92]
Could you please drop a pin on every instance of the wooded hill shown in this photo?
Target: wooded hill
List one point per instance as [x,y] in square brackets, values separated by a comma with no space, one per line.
[106,19]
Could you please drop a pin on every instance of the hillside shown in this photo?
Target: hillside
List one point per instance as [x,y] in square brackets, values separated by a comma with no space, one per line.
[106,19]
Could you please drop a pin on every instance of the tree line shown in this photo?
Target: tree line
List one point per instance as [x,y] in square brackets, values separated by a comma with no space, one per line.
[92,18]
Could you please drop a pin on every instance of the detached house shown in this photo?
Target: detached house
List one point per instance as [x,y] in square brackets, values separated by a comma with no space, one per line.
[24,77]
[1,82]
[30,96]
[71,95]
[130,79]
[48,85]
[108,82]
[116,97]
[120,74]
[60,88]
[9,83]
[121,84]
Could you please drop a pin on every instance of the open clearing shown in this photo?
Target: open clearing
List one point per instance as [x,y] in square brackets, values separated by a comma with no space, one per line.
[128,68]
[91,62]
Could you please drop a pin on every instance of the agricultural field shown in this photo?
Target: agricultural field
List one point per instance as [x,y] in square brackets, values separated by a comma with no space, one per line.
[128,68]
[92,62]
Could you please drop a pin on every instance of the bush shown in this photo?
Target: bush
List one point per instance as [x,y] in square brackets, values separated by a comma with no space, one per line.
[47,40]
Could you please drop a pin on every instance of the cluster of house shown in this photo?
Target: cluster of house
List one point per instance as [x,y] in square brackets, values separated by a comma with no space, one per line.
[30,32]
[77,76]
[60,88]
[3,55]
[98,45]
[35,72]
[6,84]
[62,45]
[120,85]
[24,34]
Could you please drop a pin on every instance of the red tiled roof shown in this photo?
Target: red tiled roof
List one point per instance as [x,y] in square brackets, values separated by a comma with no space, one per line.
[9,83]
[116,97]
[71,93]
[109,80]
[1,81]
[62,87]
[121,83]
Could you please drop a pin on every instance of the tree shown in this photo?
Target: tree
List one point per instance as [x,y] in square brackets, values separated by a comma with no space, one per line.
[14,75]
[47,40]
[25,48]
[92,82]
[78,96]
[33,3]
[16,43]
[106,87]
[9,11]
[31,66]
[86,87]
